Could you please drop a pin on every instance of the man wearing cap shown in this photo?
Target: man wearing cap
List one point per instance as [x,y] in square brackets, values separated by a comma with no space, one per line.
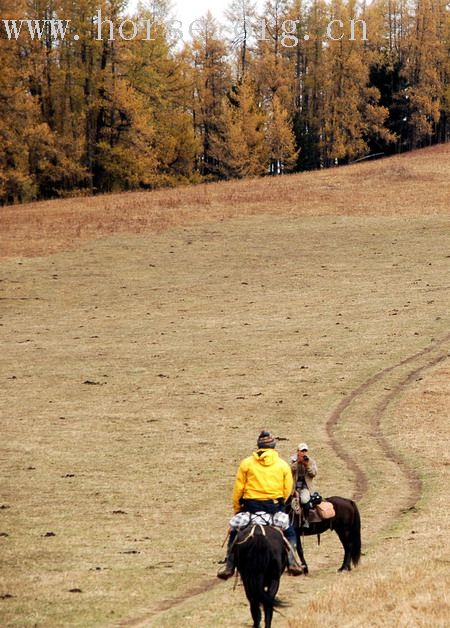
[304,470]
[263,483]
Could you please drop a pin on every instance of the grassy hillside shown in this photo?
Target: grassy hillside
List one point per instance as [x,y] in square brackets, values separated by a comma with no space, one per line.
[137,370]
[414,183]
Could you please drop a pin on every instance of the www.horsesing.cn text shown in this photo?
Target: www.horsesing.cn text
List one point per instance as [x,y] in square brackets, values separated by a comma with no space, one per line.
[146,30]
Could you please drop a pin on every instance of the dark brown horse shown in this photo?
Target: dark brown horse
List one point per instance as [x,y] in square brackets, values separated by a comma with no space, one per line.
[261,557]
[347,525]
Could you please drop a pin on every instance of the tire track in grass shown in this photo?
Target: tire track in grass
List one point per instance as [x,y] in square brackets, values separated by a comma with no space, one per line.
[361,479]
[411,474]
[169,604]
[336,417]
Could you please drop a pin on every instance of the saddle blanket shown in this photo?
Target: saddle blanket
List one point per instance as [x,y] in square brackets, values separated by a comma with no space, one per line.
[244,519]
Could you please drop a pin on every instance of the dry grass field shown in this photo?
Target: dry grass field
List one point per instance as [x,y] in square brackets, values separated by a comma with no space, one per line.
[147,338]
[413,184]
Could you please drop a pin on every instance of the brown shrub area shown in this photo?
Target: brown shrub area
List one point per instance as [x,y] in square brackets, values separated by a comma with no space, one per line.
[409,184]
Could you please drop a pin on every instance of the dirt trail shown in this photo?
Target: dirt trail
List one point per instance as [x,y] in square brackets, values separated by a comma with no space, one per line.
[361,480]
[168,604]
[411,475]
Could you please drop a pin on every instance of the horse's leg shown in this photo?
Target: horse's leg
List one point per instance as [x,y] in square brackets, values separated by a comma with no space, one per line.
[254,604]
[256,613]
[272,590]
[344,537]
[300,551]
[268,614]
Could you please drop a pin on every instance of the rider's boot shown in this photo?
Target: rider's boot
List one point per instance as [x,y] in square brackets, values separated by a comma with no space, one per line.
[294,563]
[228,570]
[305,508]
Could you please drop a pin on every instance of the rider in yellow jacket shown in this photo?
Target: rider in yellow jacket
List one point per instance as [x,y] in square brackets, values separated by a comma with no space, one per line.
[263,483]
[262,476]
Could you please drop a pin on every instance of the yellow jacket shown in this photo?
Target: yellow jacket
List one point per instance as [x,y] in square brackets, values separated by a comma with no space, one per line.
[263,475]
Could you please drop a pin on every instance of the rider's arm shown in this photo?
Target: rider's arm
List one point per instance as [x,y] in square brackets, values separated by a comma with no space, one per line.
[311,468]
[288,482]
[239,486]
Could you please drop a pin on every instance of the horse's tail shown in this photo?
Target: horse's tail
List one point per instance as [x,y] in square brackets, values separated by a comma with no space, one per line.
[258,557]
[355,535]
[255,591]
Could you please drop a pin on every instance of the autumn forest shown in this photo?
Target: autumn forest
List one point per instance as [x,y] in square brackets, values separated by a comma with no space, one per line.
[82,114]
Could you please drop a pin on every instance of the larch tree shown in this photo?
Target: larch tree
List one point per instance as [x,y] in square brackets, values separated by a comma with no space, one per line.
[211,80]
[351,110]
[18,113]
[239,144]
[426,70]
[241,18]
[282,147]
[443,134]
[308,58]
[272,71]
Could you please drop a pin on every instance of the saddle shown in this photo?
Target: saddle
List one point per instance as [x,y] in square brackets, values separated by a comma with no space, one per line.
[319,509]
[313,516]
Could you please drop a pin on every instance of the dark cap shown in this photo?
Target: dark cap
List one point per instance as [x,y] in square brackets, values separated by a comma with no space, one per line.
[266,441]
